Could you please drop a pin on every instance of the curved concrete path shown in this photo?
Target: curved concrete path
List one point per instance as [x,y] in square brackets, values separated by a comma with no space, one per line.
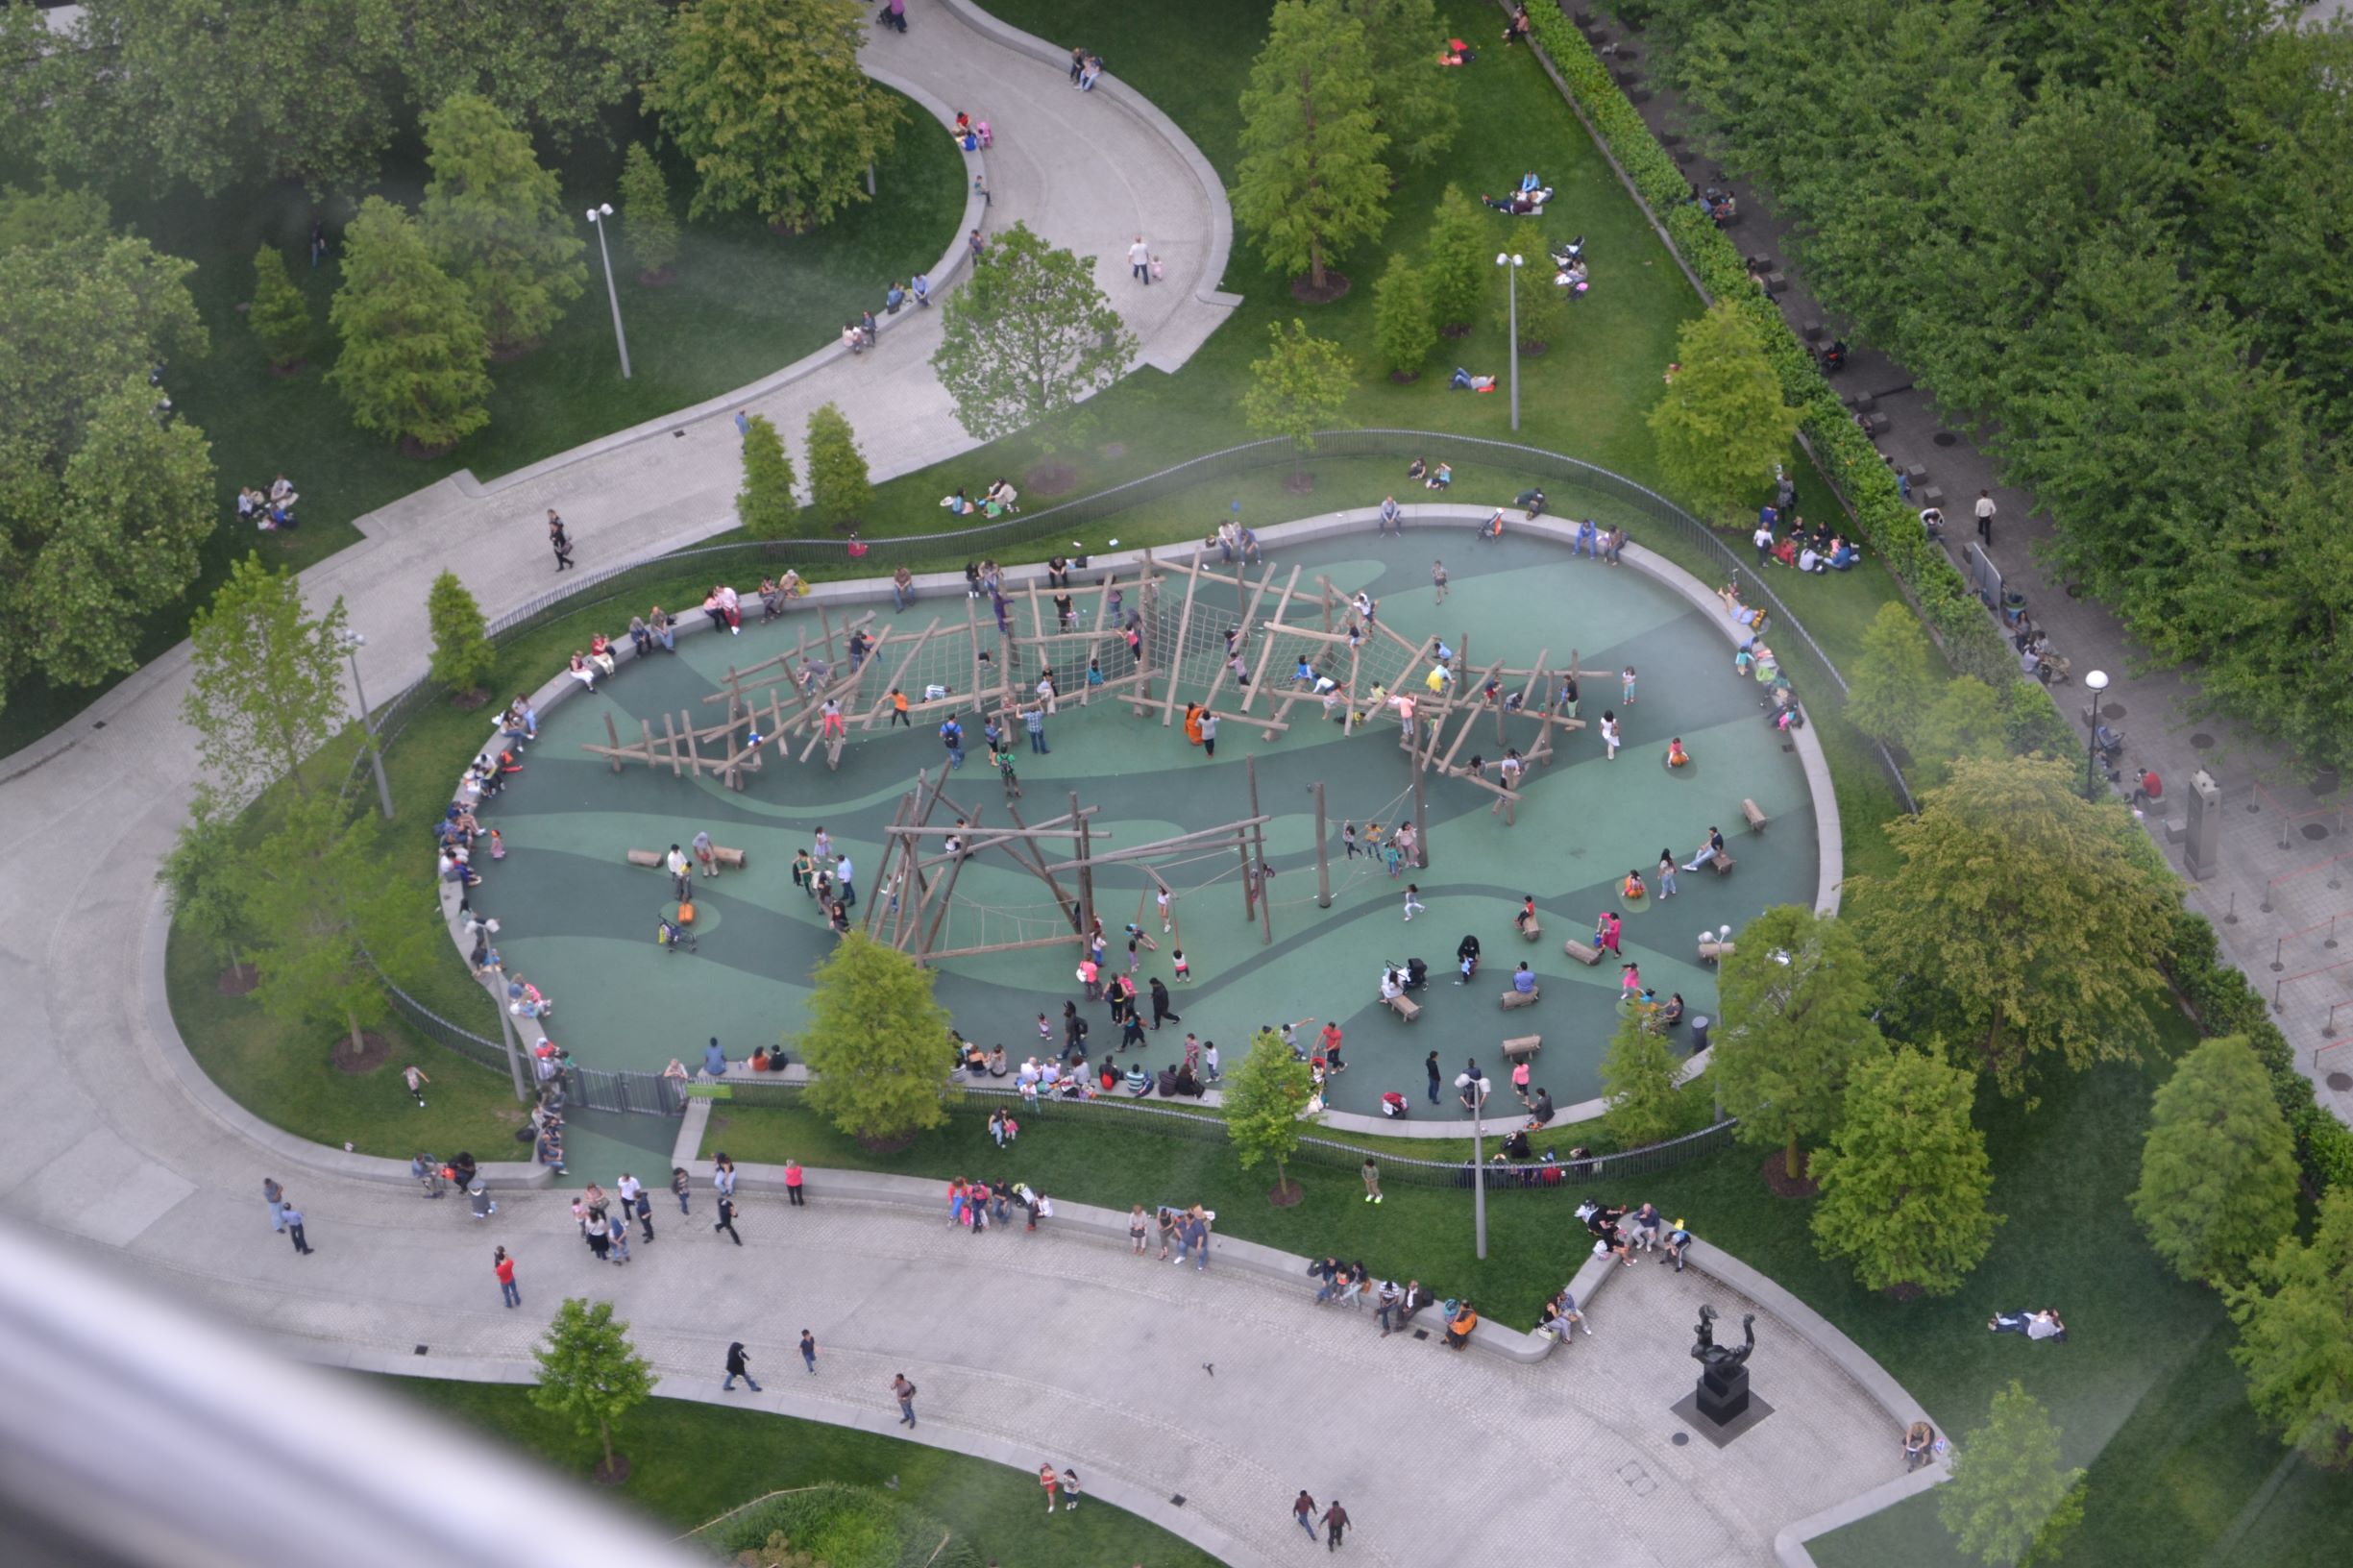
[1435,1454]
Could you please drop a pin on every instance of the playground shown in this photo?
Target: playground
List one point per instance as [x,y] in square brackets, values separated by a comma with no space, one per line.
[1122,806]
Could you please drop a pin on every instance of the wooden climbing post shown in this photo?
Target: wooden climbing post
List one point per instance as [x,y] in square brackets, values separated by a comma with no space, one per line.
[613,735]
[1323,861]
[1258,838]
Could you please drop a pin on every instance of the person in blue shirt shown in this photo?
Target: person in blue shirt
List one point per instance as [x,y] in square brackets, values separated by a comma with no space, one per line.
[1524,981]
[714,1060]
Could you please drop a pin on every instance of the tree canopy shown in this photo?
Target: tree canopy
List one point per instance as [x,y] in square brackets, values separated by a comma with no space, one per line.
[492,217]
[1458,258]
[265,682]
[1413,101]
[1402,329]
[1795,998]
[590,1372]
[1027,337]
[767,99]
[1264,1095]
[462,654]
[1638,1080]
[646,222]
[1905,1181]
[2296,1335]
[2011,1498]
[765,506]
[1299,387]
[279,317]
[2217,1170]
[1721,424]
[103,501]
[876,1044]
[839,487]
[1311,185]
[415,356]
[2020,920]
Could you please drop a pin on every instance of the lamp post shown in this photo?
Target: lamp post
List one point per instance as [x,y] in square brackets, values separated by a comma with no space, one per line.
[1478,1090]
[2096,682]
[353,642]
[596,220]
[1512,265]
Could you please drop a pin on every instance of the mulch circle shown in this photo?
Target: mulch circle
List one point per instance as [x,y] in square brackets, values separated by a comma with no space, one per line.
[888,1145]
[468,702]
[1455,328]
[1775,1172]
[1336,285]
[238,980]
[288,372]
[513,351]
[1285,1196]
[411,447]
[1903,1292]
[1299,484]
[1405,378]
[1533,347]
[1050,478]
[374,1052]
[614,1477]
[657,276]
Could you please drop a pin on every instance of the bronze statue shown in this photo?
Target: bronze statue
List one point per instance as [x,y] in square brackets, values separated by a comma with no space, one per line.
[1711,1353]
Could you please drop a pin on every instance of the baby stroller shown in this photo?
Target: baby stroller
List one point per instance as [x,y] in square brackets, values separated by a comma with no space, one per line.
[672,936]
[1413,974]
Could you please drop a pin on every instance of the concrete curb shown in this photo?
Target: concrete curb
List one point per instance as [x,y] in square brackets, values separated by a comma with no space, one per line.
[1144,111]
[945,273]
[1088,1221]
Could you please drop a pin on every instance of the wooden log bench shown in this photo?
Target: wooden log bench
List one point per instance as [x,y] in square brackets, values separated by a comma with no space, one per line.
[1522,1048]
[1521,999]
[733,859]
[1722,862]
[1712,951]
[1578,951]
[1756,818]
[1532,929]
[1403,1006]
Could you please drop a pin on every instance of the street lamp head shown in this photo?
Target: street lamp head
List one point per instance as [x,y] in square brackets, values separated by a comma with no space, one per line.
[1518,263]
[352,640]
[604,209]
[2096,680]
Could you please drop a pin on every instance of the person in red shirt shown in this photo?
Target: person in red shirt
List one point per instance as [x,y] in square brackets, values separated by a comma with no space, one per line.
[2151,788]
[504,1267]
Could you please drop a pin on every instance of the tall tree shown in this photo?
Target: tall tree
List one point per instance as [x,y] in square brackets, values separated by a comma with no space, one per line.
[279,317]
[1027,338]
[1300,387]
[1905,1180]
[1638,1081]
[1966,720]
[202,883]
[264,688]
[2296,1335]
[1539,304]
[1416,105]
[2217,1170]
[1796,998]
[1721,424]
[839,487]
[878,1047]
[767,98]
[414,357]
[103,503]
[1457,259]
[2021,917]
[651,228]
[590,1371]
[463,655]
[209,95]
[1403,331]
[553,64]
[1264,1096]
[492,218]
[2011,1498]
[1898,677]
[765,506]
[1311,185]
[332,922]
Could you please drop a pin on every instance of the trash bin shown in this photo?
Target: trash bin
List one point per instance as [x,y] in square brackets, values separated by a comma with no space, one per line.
[1698,1032]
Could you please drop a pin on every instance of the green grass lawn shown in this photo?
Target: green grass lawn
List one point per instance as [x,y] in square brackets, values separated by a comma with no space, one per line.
[692,1462]
[744,302]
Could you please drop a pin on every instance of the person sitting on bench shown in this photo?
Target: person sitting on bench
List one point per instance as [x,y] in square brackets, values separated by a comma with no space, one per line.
[1713,848]
[1524,981]
[1539,1110]
[1391,986]
[1671,1012]
[1526,916]
[1463,380]
[1458,1327]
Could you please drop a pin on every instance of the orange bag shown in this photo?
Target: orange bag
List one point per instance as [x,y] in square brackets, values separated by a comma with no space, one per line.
[686,914]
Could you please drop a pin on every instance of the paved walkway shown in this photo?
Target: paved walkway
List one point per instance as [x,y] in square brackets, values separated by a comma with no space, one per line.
[110,1149]
[2275,887]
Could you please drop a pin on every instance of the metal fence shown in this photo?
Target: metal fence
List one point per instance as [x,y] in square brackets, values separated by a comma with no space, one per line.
[644,1091]
[1160,1120]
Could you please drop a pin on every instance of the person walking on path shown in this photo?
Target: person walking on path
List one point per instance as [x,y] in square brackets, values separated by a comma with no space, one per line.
[739,1366]
[414,1077]
[1336,1521]
[643,1203]
[503,1268]
[904,1392]
[1985,518]
[293,1218]
[1437,579]
[792,1184]
[726,1219]
[808,1351]
[558,540]
[679,1183]
[1666,873]
[1303,1510]
[1609,733]
[1162,1011]
[1413,899]
[1431,1064]
[1371,1172]
[1140,261]
[276,1198]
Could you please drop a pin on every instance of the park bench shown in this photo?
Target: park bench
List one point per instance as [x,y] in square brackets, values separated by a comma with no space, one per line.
[1521,999]
[1713,952]
[1722,862]
[1756,818]
[1403,1006]
[1532,928]
[1523,1047]
[1578,951]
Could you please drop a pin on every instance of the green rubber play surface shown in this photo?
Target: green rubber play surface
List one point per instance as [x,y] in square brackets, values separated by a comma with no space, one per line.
[579,922]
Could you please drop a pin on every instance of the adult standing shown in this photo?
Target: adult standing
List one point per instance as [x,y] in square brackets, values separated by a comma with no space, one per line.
[792,1184]
[503,1268]
[1371,1172]
[1437,579]
[1033,719]
[1140,261]
[1429,1065]
[276,1198]
[1162,1011]
[1985,518]
[739,1366]
[678,1186]
[681,884]
[1209,733]
[904,1392]
[558,540]
[1336,1521]
[293,1218]
[808,1351]
[1303,1510]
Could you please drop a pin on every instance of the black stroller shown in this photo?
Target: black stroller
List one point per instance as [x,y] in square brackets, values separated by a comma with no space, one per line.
[1413,974]
[674,937]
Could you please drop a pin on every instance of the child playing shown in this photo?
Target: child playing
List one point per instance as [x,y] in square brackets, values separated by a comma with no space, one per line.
[1184,970]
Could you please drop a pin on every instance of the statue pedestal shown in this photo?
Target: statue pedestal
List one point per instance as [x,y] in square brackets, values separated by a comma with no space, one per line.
[1722,1394]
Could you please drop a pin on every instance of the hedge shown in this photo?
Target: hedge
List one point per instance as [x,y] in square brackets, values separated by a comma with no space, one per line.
[1847,459]
[844,1527]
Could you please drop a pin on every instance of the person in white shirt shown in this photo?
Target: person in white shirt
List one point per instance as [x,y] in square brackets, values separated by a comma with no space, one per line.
[1140,261]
